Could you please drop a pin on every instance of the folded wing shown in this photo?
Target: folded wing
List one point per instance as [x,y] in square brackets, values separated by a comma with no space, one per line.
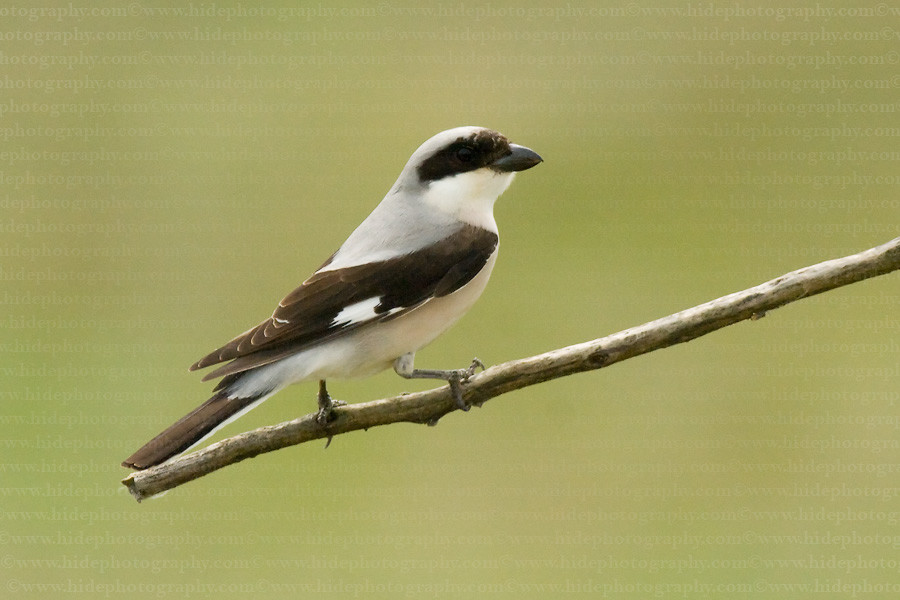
[334,302]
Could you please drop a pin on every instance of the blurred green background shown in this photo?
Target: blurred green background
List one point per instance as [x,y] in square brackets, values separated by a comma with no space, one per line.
[168,174]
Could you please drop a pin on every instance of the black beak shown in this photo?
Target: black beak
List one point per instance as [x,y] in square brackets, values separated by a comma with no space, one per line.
[519,159]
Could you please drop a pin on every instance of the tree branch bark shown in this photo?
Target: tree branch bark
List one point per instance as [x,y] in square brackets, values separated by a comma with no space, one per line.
[431,405]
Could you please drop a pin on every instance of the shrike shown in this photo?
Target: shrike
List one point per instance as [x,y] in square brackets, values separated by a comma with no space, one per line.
[404,276]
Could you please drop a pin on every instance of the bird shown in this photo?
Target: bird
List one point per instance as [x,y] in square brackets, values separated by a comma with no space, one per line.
[407,273]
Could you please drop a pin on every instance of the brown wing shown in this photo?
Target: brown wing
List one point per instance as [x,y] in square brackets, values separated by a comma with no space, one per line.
[312,313]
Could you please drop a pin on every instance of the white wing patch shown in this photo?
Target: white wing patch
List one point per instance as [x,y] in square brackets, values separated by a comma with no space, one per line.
[361,311]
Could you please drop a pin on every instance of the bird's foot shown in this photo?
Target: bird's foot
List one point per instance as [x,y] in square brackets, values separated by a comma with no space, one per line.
[456,378]
[327,405]
[460,376]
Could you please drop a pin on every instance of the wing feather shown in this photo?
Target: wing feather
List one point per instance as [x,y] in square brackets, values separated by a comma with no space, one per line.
[307,315]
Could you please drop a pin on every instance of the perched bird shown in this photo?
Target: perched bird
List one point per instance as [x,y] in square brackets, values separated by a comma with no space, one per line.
[404,276]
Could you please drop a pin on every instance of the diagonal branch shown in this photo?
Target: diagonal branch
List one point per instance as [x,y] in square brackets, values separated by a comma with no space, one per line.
[429,406]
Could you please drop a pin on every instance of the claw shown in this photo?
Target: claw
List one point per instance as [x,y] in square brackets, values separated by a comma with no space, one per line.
[455,380]
[459,377]
[476,364]
[326,407]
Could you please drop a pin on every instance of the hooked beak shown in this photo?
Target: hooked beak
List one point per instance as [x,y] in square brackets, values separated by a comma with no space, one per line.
[520,159]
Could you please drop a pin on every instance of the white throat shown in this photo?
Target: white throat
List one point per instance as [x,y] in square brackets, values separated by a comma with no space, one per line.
[469,197]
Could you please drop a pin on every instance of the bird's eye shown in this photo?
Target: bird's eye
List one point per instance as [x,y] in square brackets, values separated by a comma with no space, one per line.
[465,154]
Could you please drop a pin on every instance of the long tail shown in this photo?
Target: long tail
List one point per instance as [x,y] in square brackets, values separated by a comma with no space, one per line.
[191,429]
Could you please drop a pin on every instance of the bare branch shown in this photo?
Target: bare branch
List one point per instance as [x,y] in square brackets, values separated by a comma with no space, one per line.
[429,406]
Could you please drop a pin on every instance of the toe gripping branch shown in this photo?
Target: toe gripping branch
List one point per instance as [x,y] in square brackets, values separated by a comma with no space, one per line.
[326,405]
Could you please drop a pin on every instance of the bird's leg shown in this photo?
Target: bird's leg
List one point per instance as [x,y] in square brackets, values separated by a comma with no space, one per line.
[455,377]
[326,404]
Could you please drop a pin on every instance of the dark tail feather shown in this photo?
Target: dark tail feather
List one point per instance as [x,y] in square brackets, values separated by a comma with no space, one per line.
[189,430]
